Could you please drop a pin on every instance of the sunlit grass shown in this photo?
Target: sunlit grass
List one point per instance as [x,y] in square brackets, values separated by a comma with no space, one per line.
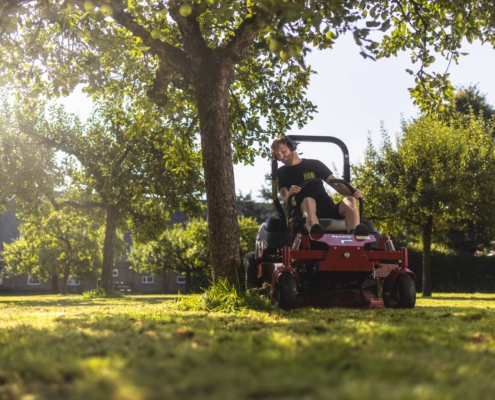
[144,347]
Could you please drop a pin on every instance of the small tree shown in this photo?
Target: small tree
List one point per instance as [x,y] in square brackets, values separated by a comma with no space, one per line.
[186,249]
[56,244]
[438,175]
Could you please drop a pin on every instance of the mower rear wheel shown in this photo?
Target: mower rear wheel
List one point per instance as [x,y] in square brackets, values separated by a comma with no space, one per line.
[403,294]
[251,271]
[286,291]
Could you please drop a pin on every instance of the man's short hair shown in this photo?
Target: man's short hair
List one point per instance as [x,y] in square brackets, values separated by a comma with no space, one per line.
[279,141]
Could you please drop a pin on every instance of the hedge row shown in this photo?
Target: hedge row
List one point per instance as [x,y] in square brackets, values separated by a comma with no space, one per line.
[456,272]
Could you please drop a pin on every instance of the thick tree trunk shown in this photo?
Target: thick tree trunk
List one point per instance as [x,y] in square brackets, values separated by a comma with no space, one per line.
[212,94]
[55,288]
[427,230]
[109,247]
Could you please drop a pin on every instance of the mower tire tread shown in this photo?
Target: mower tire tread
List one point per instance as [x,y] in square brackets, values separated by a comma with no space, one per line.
[286,291]
[403,294]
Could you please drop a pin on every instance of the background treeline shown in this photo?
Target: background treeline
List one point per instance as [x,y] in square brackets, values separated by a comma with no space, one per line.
[455,272]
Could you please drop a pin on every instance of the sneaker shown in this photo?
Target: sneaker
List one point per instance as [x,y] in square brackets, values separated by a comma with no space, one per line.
[317,228]
[361,232]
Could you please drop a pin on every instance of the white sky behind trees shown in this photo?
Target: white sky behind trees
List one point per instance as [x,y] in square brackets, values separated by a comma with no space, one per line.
[354,96]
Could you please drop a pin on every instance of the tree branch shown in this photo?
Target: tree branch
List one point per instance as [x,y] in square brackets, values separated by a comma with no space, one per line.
[74,204]
[244,35]
[171,58]
[193,41]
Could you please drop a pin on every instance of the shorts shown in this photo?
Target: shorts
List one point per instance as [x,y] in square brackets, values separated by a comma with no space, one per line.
[325,210]
[329,211]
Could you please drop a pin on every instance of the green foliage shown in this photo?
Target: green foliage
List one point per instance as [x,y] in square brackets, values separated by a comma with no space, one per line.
[186,249]
[223,296]
[239,66]
[120,161]
[439,170]
[259,210]
[438,177]
[54,47]
[101,293]
[469,100]
[55,243]
[58,49]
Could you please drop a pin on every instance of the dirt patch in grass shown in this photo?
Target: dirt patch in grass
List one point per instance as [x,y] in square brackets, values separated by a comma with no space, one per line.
[59,347]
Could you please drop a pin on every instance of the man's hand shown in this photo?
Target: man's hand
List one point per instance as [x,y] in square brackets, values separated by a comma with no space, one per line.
[357,194]
[294,190]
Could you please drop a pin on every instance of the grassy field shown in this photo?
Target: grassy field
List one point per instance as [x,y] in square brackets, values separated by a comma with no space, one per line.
[141,347]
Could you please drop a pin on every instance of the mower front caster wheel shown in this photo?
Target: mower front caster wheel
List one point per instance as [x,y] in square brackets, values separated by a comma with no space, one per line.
[403,294]
[286,291]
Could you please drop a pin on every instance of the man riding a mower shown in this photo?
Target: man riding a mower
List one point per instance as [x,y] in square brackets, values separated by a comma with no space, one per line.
[312,199]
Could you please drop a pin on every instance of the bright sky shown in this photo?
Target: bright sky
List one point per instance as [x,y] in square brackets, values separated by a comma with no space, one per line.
[354,96]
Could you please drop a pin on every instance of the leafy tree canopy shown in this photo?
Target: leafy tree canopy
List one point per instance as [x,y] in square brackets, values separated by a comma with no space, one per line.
[53,46]
[437,176]
[470,99]
[57,244]
[186,249]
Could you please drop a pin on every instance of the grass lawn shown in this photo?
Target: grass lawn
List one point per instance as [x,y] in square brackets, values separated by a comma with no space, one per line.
[140,347]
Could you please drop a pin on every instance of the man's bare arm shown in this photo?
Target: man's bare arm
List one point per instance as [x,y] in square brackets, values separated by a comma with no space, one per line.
[342,189]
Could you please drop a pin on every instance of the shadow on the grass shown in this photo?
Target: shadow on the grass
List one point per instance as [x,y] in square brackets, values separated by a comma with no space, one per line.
[470,297]
[78,300]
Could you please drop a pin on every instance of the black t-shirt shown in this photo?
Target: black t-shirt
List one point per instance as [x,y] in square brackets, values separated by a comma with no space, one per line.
[297,174]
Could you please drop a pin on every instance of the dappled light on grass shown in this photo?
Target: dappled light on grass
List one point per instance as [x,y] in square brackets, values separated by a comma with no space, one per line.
[145,348]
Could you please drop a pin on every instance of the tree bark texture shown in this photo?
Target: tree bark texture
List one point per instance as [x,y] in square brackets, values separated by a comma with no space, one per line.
[212,93]
[55,288]
[427,231]
[109,247]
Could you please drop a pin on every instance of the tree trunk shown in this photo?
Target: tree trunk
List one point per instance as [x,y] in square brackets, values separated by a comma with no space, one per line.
[65,282]
[212,94]
[55,288]
[188,281]
[427,230]
[165,280]
[109,247]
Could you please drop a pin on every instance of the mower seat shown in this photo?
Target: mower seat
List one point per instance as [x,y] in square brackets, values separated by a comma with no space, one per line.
[332,225]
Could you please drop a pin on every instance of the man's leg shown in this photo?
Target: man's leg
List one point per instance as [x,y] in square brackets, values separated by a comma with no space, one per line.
[308,210]
[349,210]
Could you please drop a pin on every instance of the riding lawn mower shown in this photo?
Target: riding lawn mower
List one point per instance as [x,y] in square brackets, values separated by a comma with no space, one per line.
[296,268]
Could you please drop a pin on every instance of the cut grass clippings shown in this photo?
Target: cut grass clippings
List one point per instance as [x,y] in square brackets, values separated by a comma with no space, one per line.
[144,347]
